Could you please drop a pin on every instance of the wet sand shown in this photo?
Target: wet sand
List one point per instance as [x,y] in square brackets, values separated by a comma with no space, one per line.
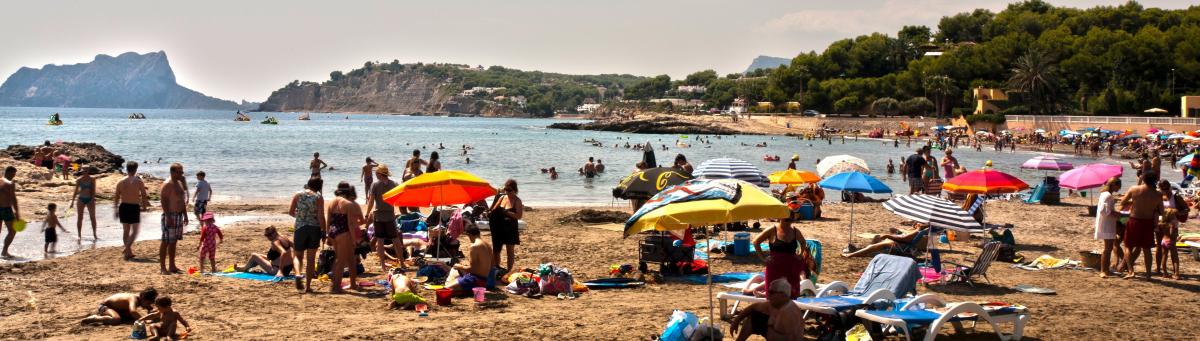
[1086,307]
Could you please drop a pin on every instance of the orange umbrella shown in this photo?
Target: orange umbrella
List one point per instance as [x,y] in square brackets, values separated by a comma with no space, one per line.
[985,181]
[440,188]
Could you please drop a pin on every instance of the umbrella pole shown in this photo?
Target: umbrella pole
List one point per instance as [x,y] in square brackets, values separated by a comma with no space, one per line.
[850,238]
[711,319]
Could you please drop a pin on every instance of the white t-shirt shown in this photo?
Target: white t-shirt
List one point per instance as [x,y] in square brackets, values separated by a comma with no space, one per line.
[1106,223]
[203,191]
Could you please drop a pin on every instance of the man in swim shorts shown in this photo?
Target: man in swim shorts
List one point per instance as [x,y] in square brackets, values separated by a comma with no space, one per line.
[122,308]
[1144,203]
[473,273]
[173,199]
[383,216]
[589,168]
[914,167]
[10,212]
[774,319]
[128,205]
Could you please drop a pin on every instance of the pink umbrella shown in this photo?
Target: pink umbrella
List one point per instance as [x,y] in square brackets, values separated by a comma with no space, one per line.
[1089,176]
[1046,162]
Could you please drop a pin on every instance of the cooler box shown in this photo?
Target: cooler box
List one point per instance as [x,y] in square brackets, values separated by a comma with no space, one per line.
[806,211]
[741,244]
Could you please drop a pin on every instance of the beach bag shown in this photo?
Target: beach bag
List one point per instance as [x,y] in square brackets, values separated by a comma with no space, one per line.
[456,225]
[523,283]
[555,280]
[325,260]
[680,326]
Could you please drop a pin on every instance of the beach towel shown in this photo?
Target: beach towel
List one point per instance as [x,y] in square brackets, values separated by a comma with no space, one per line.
[1048,262]
[895,273]
[702,248]
[720,278]
[253,276]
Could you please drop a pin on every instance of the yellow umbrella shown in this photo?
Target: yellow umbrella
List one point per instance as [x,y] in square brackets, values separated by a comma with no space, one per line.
[705,202]
[440,188]
[793,177]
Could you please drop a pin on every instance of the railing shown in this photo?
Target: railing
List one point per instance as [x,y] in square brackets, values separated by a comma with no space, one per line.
[1104,120]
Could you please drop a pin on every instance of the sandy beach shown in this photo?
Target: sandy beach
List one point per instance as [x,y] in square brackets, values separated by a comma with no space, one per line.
[46,299]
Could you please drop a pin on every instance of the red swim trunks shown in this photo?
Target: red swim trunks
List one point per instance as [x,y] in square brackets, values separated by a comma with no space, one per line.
[1140,232]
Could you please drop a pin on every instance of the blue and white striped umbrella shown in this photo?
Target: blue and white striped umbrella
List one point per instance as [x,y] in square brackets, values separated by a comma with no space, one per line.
[937,212]
[725,168]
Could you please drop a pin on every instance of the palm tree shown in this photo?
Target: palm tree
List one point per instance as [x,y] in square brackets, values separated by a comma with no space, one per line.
[941,87]
[1036,75]
[886,106]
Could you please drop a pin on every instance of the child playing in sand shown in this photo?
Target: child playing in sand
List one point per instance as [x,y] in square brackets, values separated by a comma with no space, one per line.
[48,228]
[163,320]
[209,234]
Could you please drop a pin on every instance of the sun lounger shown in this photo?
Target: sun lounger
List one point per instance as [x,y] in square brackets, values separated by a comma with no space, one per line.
[807,288]
[965,273]
[928,313]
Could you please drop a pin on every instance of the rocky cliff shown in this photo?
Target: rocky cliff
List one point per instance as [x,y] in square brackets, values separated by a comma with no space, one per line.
[767,62]
[129,80]
[654,125]
[403,92]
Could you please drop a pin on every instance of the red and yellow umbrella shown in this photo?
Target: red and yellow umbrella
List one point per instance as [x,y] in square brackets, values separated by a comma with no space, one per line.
[440,188]
[793,177]
[986,181]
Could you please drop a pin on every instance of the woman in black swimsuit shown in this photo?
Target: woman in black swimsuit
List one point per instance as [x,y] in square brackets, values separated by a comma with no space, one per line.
[502,219]
[279,257]
[784,261]
[344,217]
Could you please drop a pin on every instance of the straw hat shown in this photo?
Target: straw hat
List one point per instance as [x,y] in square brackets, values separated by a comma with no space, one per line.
[382,169]
[795,157]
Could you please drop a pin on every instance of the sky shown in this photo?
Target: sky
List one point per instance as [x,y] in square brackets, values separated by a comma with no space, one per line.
[247,49]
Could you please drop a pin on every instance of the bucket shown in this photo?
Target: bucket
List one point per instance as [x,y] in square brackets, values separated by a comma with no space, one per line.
[741,244]
[479,294]
[444,296]
[805,211]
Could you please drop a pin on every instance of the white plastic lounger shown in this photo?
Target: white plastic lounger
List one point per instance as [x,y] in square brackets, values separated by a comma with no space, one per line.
[832,305]
[807,288]
[920,312]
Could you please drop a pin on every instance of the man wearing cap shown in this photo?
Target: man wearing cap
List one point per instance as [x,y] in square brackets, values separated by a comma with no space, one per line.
[792,164]
[384,217]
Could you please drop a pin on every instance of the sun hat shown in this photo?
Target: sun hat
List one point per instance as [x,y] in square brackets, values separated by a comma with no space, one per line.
[382,169]
[206,216]
[795,157]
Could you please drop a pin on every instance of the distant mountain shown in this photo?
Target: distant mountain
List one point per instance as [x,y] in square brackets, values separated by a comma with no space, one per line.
[767,62]
[130,80]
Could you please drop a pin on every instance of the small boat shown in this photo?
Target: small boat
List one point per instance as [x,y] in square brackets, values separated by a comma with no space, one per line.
[270,120]
[54,123]
[304,117]
[241,117]
[137,116]
[770,157]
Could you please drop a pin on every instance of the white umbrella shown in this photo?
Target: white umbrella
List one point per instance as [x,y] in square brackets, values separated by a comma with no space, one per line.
[827,163]
[1156,110]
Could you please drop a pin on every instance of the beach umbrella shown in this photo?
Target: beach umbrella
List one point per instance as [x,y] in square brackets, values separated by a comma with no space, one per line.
[1039,131]
[935,211]
[823,168]
[645,184]
[1155,111]
[985,181]
[440,188]
[726,168]
[1186,159]
[1090,176]
[854,182]
[793,177]
[1046,162]
[1177,136]
[705,202]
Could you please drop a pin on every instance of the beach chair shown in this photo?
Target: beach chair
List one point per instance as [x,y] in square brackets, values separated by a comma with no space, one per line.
[912,249]
[1035,197]
[885,279]
[927,314]
[965,273]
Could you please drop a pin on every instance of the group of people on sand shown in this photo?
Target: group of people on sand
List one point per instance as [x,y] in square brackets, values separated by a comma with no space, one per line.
[160,321]
[921,169]
[54,160]
[1154,212]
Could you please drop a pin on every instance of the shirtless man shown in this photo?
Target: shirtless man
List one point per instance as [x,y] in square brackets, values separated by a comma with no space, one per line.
[47,155]
[1144,203]
[173,198]
[122,308]
[9,210]
[316,165]
[589,168]
[473,273]
[773,319]
[164,321]
[413,167]
[128,205]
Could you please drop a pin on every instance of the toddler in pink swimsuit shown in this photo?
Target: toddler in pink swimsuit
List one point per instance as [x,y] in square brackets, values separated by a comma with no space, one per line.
[209,234]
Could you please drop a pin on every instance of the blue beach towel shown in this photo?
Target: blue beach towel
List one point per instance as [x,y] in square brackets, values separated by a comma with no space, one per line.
[721,278]
[702,248]
[253,276]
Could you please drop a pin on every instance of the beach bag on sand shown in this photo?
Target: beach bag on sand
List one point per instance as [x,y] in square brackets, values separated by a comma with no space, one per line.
[523,283]
[680,326]
[555,280]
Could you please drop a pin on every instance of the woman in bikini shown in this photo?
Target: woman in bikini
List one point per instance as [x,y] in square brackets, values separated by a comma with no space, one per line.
[434,164]
[344,217]
[278,260]
[85,195]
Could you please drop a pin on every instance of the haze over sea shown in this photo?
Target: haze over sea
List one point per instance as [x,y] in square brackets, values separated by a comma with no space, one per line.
[253,161]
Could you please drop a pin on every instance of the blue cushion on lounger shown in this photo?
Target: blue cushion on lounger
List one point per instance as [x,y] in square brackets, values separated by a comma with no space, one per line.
[835,302]
[920,317]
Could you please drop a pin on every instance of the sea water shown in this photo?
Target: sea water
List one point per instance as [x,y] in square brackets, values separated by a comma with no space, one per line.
[249,160]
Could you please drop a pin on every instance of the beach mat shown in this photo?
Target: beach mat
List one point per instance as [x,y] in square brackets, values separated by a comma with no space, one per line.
[253,276]
[721,278]
[613,283]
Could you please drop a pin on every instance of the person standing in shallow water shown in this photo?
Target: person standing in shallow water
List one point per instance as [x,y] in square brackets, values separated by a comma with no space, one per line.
[412,168]
[434,165]
[173,199]
[10,212]
[127,203]
[368,173]
[316,165]
[85,196]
